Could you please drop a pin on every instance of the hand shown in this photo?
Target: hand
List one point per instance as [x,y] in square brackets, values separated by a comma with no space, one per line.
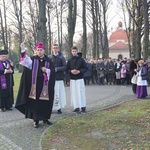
[9,71]
[75,72]
[12,64]
[43,69]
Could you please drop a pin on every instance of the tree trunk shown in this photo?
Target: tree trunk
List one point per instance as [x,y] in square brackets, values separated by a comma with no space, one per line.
[146,30]
[97,28]
[2,28]
[6,35]
[94,29]
[49,31]
[18,13]
[33,22]
[42,34]
[106,47]
[71,23]
[84,50]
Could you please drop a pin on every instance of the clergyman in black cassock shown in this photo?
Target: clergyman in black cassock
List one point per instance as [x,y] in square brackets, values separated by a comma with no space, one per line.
[36,91]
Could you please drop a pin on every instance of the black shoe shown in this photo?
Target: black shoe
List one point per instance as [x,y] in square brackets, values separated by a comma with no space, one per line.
[47,122]
[59,111]
[36,124]
[2,109]
[76,110]
[83,110]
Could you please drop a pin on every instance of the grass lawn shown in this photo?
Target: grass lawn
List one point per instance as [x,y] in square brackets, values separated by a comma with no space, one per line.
[16,84]
[126,127]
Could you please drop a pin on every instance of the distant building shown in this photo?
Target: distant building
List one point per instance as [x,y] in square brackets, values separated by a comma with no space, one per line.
[118,43]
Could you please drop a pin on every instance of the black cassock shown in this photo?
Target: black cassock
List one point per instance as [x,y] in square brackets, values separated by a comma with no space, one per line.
[36,109]
[5,98]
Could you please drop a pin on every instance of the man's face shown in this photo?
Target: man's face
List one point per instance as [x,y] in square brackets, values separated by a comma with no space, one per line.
[2,57]
[40,52]
[55,49]
[6,57]
[74,52]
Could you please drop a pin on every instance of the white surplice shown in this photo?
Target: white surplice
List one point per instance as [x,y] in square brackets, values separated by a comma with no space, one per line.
[77,88]
[59,95]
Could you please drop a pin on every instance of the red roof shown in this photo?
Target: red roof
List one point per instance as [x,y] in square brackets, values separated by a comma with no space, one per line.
[118,35]
[119,46]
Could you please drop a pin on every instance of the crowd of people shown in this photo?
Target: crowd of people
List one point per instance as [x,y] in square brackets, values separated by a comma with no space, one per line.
[118,72]
[111,71]
[43,80]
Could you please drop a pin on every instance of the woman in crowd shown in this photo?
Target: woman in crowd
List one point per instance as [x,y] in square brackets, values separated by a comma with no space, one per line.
[141,89]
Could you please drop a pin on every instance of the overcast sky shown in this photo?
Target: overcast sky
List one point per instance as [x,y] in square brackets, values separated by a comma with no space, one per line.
[113,18]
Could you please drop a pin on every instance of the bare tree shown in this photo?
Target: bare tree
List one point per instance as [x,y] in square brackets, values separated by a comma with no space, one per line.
[72,13]
[49,31]
[99,27]
[32,22]
[18,13]
[127,21]
[94,27]
[84,49]
[4,31]
[136,12]
[105,48]
[42,32]
[146,7]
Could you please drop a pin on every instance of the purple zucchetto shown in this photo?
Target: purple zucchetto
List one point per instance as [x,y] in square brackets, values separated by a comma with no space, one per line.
[40,45]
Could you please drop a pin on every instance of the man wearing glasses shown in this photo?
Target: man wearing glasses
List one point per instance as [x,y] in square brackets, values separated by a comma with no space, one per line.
[60,67]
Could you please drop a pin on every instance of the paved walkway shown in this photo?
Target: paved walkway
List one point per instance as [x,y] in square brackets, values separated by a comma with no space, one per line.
[17,133]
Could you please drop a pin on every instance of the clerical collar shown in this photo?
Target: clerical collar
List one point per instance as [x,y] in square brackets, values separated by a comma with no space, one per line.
[41,59]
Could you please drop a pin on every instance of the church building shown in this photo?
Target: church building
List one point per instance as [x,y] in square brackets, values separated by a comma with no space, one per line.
[118,44]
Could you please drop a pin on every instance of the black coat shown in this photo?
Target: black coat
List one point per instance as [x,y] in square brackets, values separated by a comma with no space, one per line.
[77,63]
[28,106]
[60,65]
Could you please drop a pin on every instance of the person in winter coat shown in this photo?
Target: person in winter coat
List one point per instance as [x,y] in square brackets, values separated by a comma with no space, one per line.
[117,71]
[110,71]
[123,72]
[60,68]
[100,71]
[36,91]
[87,74]
[76,67]
[133,69]
[141,89]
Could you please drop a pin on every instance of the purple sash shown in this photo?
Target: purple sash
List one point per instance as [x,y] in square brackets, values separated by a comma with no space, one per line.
[44,94]
[3,78]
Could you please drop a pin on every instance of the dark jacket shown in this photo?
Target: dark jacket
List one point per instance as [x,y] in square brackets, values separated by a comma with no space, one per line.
[60,65]
[77,63]
[133,66]
[100,67]
[93,70]
[110,67]
[143,72]
[88,72]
